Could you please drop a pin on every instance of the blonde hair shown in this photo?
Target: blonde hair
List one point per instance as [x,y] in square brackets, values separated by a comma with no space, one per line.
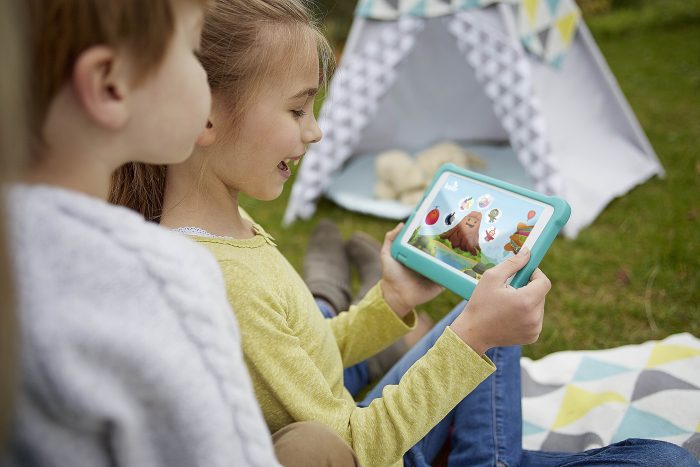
[12,151]
[62,29]
[243,42]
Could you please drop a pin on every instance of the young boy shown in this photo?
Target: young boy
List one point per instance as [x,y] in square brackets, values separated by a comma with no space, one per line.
[129,351]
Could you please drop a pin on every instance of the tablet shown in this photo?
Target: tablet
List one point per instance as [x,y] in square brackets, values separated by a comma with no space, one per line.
[468,223]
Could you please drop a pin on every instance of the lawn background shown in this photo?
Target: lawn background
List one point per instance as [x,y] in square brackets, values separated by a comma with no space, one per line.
[634,274]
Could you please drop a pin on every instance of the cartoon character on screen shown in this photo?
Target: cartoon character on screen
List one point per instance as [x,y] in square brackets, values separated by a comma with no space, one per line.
[490,234]
[516,240]
[466,203]
[465,235]
[432,216]
[493,215]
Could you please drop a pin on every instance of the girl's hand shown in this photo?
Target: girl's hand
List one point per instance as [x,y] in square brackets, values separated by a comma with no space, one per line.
[402,288]
[499,315]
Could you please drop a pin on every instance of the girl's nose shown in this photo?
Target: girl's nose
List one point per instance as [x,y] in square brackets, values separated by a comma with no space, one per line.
[312,133]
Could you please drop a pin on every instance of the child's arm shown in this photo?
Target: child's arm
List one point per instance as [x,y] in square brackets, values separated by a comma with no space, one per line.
[386,312]
[291,386]
[368,327]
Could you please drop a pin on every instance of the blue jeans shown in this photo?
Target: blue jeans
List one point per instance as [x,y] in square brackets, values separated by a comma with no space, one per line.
[356,377]
[485,428]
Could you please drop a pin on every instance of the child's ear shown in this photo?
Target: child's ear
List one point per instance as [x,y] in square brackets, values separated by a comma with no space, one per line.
[101,82]
[208,135]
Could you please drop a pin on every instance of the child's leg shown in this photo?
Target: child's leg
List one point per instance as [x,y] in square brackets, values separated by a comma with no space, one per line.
[423,453]
[364,253]
[487,424]
[326,266]
[393,376]
[311,443]
[631,452]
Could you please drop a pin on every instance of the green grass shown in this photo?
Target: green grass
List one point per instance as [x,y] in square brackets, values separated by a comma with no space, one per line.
[634,274]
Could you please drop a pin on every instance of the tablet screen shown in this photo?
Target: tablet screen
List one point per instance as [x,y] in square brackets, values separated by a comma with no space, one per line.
[471,226]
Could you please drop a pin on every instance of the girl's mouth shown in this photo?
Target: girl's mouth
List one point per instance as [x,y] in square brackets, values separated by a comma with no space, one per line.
[284,169]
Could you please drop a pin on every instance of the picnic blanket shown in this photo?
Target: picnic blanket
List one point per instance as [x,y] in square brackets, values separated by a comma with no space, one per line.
[580,400]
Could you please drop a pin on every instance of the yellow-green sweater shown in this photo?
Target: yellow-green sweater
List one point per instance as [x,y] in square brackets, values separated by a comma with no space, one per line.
[296,357]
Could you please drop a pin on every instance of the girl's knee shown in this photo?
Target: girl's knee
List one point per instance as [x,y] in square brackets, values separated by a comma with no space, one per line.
[662,453]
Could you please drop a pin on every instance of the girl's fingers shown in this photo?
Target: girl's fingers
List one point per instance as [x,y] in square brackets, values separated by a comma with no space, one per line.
[539,284]
[393,233]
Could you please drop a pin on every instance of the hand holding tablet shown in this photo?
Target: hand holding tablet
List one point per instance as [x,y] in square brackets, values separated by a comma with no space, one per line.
[467,223]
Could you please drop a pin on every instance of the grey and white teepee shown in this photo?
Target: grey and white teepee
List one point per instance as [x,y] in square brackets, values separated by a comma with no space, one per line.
[520,82]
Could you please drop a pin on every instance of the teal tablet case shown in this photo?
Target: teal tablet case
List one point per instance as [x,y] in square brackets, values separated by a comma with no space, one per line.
[454,279]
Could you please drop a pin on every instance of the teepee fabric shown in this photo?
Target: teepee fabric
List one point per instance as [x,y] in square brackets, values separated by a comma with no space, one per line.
[504,73]
[522,78]
[352,100]
[578,400]
[546,27]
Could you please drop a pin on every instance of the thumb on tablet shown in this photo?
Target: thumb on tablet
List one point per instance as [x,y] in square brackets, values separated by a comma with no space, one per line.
[393,233]
[507,268]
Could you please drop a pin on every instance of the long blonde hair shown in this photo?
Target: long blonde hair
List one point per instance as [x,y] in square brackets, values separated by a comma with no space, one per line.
[243,42]
[13,148]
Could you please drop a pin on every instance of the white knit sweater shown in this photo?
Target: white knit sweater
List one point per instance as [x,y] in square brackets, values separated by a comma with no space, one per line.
[130,353]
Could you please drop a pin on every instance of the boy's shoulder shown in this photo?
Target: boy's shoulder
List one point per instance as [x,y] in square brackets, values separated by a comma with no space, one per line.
[46,211]
[83,233]
[95,268]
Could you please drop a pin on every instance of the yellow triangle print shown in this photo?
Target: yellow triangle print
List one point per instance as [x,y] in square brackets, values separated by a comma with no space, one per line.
[578,402]
[531,10]
[664,353]
[566,26]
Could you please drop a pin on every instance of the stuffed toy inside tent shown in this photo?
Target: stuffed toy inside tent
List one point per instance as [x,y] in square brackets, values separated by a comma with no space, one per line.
[520,85]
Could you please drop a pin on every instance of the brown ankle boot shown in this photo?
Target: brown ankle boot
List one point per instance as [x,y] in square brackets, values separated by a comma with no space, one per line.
[326,266]
[364,253]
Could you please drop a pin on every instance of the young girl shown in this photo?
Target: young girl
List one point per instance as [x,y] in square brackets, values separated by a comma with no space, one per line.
[262,57]
[129,350]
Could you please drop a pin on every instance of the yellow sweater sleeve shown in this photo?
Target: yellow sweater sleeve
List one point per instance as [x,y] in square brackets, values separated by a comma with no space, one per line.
[285,377]
[368,327]
[296,366]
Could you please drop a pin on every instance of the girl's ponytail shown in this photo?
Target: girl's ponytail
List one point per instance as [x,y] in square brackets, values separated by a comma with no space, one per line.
[140,187]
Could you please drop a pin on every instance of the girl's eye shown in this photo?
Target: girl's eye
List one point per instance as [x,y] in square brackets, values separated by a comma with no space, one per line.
[299,113]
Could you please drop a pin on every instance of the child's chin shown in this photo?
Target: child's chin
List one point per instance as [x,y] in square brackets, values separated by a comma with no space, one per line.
[268,196]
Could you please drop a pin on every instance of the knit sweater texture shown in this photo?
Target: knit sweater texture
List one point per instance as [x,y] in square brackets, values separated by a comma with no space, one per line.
[296,357]
[130,354]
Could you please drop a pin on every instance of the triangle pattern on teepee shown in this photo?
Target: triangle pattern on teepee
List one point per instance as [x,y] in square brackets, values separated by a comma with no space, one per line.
[530,7]
[566,27]
[553,6]
[591,369]
[465,4]
[653,381]
[416,8]
[578,402]
[381,9]
[638,423]
[664,353]
[437,7]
